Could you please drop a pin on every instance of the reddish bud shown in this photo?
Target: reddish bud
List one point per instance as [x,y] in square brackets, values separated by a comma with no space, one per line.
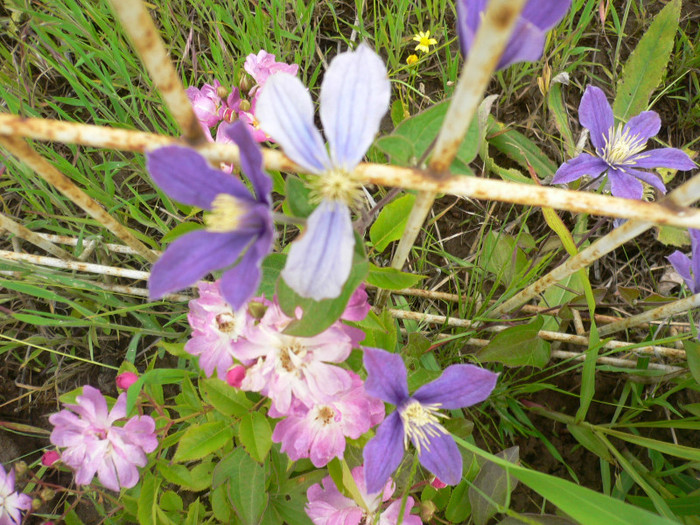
[126,379]
[50,457]
[436,483]
[234,377]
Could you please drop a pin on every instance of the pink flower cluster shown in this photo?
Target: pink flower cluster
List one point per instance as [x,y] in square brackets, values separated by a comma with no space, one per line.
[213,103]
[94,445]
[322,404]
[327,506]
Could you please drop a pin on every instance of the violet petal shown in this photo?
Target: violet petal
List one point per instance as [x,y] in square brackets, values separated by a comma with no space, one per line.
[577,167]
[526,44]
[650,178]
[596,115]
[458,386]
[624,185]
[663,158]
[386,375]
[645,125]
[545,14]
[251,159]
[681,263]
[441,457]
[383,453]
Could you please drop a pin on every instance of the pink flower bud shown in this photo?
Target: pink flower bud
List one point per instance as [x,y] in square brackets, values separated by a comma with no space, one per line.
[126,379]
[234,377]
[50,457]
[436,483]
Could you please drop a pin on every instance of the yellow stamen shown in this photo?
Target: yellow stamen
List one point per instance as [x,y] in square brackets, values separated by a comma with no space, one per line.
[620,145]
[226,214]
[421,423]
[337,185]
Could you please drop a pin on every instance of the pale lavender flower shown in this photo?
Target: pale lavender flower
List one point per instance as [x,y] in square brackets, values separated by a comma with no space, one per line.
[11,503]
[319,432]
[416,417]
[216,329]
[683,264]
[327,506]
[619,151]
[527,41]
[239,229]
[354,97]
[94,445]
[207,103]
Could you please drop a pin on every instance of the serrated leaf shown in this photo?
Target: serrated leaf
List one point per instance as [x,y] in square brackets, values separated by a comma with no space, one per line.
[391,222]
[492,486]
[246,486]
[391,278]
[256,435]
[195,480]
[224,398]
[645,66]
[200,440]
[148,500]
[157,376]
[518,346]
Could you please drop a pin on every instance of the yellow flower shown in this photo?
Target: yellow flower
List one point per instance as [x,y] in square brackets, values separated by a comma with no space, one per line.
[424,41]
[411,60]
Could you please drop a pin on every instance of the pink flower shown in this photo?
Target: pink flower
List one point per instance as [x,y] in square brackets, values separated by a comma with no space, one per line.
[50,457]
[95,446]
[207,103]
[262,65]
[234,377]
[126,379]
[216,329]
[327,506]
[11,503]
[319,432]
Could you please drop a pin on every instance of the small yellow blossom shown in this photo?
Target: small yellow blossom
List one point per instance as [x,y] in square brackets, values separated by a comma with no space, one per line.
[424,41]
[411,60]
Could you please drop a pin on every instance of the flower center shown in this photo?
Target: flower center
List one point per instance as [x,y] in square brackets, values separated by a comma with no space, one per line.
[337,185]
[291,356]
[226,213]
[325,415]
[620,145]
[421,423]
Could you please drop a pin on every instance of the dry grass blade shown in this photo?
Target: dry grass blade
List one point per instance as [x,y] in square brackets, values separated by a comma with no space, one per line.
[137,22]
[24,152]
[662,312]
[682,196]
[34,238]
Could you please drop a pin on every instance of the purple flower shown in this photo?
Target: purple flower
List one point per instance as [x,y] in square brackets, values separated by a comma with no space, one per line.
[96,446]
[527,41]
[683,265]
[327,506]
[416,417]
[11,503]
[239,226]
[319,432]
[354,97]
[619,151]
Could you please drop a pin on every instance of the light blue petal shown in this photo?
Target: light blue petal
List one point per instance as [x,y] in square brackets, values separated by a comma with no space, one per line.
[320,261]
[285,112]
[354,97]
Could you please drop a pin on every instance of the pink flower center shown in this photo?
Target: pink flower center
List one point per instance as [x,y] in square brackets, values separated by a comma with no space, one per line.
[325,415]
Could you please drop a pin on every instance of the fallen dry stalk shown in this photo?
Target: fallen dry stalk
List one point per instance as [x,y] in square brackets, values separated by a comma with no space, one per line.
[34,238]
[24,152]
[662,312]
[384,175]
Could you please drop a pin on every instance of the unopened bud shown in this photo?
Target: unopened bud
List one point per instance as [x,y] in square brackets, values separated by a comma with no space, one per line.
[36,504]
[257,310]
[246,82]
[222,92]
[436,483]
[126,379]
[20,469]
[47,494]
[427,511]
[50,457]
[234,377]
[244,105]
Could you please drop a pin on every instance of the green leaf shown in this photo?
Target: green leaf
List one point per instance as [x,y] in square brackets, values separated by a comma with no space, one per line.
[555,103]
[412,138]
[491,489]
[271,267]
[157,376]
[148,499]
[392,279]
[298,197]
[256,435]
[225,399]
[646,64]
[180,230]
[672,236]
[391,222]
[519,148]
[195,480]
[501,256]
[200,440]
[518,346]
[380,330]
[246,486]
[692,352]
[591,441]
[459,507]
[319,315]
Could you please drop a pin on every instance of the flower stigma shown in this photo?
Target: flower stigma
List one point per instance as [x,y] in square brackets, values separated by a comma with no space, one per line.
[620,145]
[226,213]
[291,356]
[421,423]
[337,185]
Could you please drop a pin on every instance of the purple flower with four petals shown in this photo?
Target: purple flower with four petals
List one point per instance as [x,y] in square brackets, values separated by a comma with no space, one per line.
[527,41]
[416,417]
[239,228]
[683,264]
[619,151]
[11,503]
[354,97]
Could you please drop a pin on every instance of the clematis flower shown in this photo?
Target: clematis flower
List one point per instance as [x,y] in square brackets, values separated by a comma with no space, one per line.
[354,97]
[319,432]
[239,225]
[416,417]
[94,445]
[683,264]
[11,503]
[527,41]
[327,506]
[619,151]
[424,41]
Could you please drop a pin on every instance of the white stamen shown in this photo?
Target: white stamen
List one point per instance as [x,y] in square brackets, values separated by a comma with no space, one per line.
[620,145]
[421,423]
[226,214]
[337,185]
